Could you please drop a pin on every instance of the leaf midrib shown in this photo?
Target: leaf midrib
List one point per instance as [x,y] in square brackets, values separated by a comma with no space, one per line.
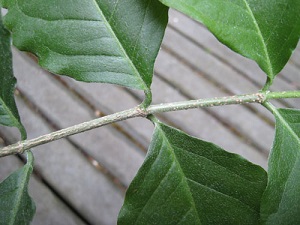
[109,27]
[265,49]
[152,194]
[287,126]
[186,178]
[225,195]
[213,162]
[20,192]
[10,114]
[16,122]
[181,171]
[283,121]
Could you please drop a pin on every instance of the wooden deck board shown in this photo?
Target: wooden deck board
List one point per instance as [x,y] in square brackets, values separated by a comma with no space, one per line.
[107,98]
[207,65]
[65,110]
[70,174]
[197,87]
[49,209]
[200,35]
[201,124]
[90,171]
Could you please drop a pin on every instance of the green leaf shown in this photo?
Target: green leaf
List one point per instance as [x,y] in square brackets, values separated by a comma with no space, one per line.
[265,31]
[107,41]
[8,111]
[185,180]
[280,202]
[16,205]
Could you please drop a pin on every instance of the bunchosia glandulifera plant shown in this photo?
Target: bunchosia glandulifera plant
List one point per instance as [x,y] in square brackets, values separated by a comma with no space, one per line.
[183,180]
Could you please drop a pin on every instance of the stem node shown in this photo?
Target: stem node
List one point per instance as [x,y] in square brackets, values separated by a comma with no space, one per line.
[144,110]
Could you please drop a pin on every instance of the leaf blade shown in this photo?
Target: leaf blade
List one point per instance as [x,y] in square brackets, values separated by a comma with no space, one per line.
[92,41]
[180,183]
[9,115]
[265,31]
[16,204]
[281,198]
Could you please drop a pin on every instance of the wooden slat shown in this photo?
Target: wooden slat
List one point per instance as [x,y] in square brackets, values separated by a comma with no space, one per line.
[296,56]
[192,64]
[64,109]
[199,35]
[202,125]
[109,99]
[292,73]
[49,209]
[246,122]
[98,95]
[70,174]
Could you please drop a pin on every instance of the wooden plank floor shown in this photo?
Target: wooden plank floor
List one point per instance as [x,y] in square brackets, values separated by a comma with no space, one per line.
[82,179]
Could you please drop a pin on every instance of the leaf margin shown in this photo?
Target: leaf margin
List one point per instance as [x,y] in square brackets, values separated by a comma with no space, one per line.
[135,186]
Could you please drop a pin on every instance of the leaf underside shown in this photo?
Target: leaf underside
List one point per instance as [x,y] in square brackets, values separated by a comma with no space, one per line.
[265,31]
[8,111]
[281,200]
[108,41]
[185,180]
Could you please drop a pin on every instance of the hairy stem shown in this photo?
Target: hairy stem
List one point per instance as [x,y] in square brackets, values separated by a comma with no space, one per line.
[141,111]
[21,146]
[148,99]
[267,85]
[285,94]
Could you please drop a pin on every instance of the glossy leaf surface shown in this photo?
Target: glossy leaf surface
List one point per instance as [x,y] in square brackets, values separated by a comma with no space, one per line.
[185,180]
[265,31]
[280,203]
[8,111]
[16,205]
[91,40]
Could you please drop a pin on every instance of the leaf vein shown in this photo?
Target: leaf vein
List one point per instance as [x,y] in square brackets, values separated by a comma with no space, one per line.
[54,20]
[270,68]
[114,11]
[227,196]
[152,194]
[230,171]
[140,30]
[110,28]
[183,174]
[185,215]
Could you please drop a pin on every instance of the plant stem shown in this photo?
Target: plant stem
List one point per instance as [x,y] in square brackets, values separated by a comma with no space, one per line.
[140,111]
[231,100]
[270,107]
[285,94]
[148,99]
[21,146]
[267,85]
